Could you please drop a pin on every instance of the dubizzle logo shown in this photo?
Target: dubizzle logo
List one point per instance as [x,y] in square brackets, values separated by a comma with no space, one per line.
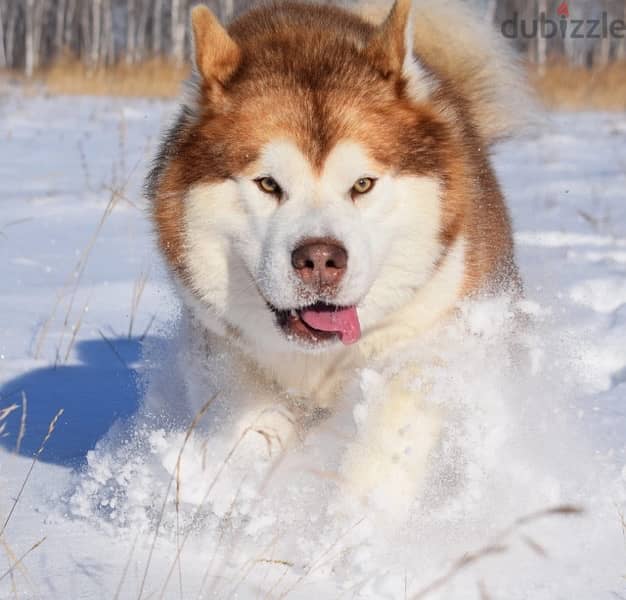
[562,10]
[563,26]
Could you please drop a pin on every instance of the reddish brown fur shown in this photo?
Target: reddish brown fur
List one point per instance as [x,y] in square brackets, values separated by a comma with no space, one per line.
[318,74]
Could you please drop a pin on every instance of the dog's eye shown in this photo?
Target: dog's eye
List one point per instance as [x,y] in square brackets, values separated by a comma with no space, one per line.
[363,185]
[269,186]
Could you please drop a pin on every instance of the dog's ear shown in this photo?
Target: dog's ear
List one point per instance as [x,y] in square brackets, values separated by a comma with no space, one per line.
[217,55]
[391,51]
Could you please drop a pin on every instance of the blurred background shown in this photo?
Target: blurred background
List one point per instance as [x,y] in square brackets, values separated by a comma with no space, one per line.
[141,47]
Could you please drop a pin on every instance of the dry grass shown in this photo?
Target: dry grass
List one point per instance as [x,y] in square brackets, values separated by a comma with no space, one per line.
[560,86]
[153,78]
[577,88]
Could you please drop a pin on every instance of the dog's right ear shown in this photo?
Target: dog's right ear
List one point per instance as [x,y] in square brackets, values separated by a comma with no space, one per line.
[217,55]
[391,51]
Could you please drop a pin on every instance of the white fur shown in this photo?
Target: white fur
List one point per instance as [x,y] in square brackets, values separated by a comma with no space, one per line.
[238,244]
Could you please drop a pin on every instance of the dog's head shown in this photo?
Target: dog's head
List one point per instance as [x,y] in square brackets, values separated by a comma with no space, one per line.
[301,200]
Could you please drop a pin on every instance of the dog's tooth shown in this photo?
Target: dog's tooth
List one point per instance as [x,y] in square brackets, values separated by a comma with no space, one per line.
[293,312]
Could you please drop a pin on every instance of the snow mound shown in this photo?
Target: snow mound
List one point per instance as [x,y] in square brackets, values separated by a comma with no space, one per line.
[513,446]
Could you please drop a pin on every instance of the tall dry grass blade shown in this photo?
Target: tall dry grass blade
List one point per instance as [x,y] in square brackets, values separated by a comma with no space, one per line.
[50,431]
[175,474]
[535,546]
[143,336]
[13,557]
[138,288]
[13,583]
[227,516]
[21,558]
[249,566]
[118,590]
[5,412]
[84,165]
[268,594]
[353,588]
[275,561]
[77,273]
[76,329]
[498,545]
[113,349]
[482,590]
[204,499]
[459,565]
[250,429]
[75,276]
[22,431]
[320,558]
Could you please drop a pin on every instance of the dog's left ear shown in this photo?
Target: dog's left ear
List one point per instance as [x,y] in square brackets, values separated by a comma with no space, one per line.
[217,55]
[391,50]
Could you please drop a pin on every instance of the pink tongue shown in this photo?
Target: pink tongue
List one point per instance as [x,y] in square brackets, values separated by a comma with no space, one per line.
[343,321]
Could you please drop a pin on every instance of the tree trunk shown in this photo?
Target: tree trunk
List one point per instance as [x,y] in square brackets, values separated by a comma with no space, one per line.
[131,31]
[59,26]
[142,28]
[29,38]
[622,47]
[3,55]
[108,40]
[157,28]
[542,9]
[228,9]
[70,18]
[96,32]
[12,19]
[178,33]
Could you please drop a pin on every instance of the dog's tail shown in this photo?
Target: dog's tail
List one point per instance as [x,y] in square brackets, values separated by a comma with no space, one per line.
[453,40]
[463,48]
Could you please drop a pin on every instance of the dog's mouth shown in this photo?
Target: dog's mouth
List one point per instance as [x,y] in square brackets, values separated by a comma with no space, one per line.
[320,322]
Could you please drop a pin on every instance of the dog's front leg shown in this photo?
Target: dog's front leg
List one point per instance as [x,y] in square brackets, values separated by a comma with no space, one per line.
[386,465]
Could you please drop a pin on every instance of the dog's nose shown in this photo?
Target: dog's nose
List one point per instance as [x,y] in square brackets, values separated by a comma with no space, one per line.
[320,262]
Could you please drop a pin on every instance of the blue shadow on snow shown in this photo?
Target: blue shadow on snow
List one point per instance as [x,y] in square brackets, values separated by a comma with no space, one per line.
[93,394]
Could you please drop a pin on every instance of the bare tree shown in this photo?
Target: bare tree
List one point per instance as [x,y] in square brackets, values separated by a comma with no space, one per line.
[142,30]
[70,19]
[157,28]
[3,56]
[33,33]
[96,23]
[29,38]
[542,9]
[131,31]
[177,32]
[13,18]
[108,39]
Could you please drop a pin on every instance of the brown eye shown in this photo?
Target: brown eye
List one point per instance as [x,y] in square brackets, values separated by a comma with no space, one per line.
[363,185]
[269,186]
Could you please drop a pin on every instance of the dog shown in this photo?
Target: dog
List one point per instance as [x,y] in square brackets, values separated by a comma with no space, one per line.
[326,197]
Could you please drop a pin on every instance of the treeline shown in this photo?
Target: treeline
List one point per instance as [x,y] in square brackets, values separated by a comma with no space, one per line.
[35,33]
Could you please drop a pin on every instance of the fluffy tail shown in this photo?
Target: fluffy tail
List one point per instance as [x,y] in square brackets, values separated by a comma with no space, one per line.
[452,40]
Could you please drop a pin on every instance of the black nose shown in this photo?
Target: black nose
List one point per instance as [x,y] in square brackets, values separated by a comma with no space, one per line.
[320,262]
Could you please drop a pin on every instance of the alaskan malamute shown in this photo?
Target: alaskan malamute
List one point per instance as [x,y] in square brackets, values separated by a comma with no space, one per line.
[326,196]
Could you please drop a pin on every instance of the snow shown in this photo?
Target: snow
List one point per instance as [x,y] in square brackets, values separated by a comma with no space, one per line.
[534,419]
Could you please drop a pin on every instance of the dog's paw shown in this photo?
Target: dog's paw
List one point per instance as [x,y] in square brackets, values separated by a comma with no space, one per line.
[396,430]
